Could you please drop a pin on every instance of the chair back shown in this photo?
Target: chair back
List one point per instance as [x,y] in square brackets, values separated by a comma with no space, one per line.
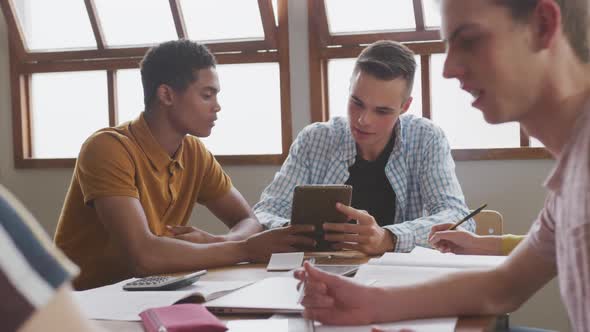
[489,222]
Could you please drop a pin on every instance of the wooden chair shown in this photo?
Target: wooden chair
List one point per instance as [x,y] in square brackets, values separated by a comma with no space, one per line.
[488,222]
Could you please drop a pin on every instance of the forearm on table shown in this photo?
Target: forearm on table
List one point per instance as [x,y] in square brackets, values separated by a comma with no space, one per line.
[488,245]
[243,229]
[168,255]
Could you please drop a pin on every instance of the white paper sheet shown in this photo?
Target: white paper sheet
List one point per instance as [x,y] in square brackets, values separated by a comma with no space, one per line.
[269,295]
[291,323]
[431,258]
[113,303]
[386,275]
[285,261]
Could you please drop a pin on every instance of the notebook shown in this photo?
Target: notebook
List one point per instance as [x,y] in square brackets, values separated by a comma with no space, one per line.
[270,295]
[113,303]
[420,265]
[425,257]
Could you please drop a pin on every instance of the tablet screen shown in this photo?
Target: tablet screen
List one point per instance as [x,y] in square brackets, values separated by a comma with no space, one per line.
[316,204]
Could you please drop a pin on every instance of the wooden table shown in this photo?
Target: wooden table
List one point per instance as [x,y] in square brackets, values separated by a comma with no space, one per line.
[254,272]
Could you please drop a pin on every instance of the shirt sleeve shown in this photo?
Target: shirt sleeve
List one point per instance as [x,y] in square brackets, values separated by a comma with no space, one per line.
[105,168]
[216,182]
[274,208]
[441,192]
[541,235]
[577,257]
[31,268]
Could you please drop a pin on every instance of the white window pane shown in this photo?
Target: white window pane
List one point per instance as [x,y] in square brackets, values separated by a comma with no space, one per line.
[275,8]
[339,73]
[135,22]
[535,143]
[463,124]
[66,109]
[345,16]
[55,24]
[222,19]
[432,13]
[129,95]
[250,118]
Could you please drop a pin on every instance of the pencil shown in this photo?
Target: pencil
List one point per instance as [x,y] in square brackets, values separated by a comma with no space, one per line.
[310,322]
[469,216]
[311,260]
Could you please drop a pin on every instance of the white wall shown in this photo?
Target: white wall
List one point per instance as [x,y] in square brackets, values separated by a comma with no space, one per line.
[511,187]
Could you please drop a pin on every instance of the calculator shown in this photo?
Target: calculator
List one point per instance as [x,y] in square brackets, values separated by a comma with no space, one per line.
[159,283]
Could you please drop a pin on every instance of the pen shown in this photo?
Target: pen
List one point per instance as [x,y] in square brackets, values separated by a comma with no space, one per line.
[311,260]
[469,216]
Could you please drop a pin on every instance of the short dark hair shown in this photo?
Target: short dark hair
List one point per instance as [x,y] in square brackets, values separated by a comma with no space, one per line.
[172,63]
[574,15]
[387,60]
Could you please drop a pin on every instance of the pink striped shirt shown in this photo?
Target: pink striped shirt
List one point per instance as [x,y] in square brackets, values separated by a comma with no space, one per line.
[562,230]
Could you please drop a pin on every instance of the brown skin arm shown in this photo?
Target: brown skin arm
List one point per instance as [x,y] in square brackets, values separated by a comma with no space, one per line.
[125,220]
[235,212]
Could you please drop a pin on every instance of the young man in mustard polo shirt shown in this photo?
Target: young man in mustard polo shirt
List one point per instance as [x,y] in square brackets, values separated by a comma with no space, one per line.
[133,184]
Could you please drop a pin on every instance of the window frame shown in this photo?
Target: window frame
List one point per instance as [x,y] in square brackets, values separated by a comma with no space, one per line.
[423,41]
[24,63]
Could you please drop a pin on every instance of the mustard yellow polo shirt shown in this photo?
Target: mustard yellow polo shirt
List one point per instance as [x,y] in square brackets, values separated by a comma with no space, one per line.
[128,161]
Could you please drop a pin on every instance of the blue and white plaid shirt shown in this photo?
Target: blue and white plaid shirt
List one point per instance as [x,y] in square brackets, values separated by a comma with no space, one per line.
[420,170]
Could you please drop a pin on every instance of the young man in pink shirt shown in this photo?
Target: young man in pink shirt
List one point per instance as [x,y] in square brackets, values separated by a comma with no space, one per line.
[525,61]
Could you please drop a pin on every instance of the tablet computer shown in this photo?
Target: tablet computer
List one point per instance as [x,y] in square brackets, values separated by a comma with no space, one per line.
[316,204]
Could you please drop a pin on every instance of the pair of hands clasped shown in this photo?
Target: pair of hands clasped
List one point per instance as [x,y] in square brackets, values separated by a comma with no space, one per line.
[365,236]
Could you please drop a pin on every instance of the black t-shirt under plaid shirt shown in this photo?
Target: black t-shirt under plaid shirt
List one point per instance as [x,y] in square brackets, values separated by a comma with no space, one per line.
[371,190]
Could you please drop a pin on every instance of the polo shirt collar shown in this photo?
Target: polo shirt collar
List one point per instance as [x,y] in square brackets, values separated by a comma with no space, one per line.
[156,154]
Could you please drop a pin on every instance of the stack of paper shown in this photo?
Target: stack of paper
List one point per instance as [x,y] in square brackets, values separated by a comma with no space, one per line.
[431,258]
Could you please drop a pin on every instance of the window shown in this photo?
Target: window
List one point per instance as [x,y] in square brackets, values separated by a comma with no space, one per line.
[43,31]
[252,109]
[74,70]
[244,15]
[151,25]
[54,111]
[450,103]
[340,29]
[349,16]
[130,95]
